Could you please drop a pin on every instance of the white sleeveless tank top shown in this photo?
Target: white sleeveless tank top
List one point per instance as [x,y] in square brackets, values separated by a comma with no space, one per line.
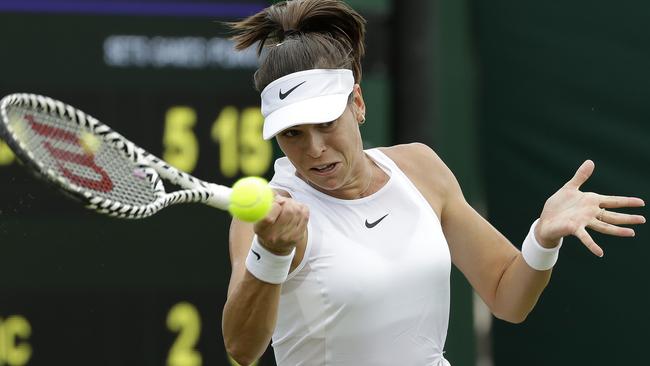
[373,285]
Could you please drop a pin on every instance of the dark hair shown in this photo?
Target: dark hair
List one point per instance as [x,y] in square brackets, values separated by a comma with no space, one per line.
[301,35]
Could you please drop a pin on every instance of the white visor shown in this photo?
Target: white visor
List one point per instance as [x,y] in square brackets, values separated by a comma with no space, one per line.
[305,97]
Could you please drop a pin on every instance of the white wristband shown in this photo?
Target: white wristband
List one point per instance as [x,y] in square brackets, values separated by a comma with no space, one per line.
[536,255]
[267,266]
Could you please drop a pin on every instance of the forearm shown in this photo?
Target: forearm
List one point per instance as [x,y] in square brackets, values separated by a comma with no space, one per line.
[518,290]
[249,318]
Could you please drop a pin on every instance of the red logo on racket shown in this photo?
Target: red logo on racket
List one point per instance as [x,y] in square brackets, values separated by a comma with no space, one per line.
[62,156]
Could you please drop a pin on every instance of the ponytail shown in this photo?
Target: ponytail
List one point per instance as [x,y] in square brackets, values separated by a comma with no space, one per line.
[300,35]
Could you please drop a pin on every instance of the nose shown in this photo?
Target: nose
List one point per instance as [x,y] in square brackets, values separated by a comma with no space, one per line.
[315,144]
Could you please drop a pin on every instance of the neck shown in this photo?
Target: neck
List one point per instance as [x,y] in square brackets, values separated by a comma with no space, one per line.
[370,164]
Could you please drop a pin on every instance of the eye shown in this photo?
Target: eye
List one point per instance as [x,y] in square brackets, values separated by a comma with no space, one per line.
[290,133]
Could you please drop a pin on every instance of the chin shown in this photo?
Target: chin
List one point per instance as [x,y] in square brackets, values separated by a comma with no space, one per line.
[328,184]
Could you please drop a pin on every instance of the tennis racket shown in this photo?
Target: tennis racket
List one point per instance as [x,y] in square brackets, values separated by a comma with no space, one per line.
[98,166]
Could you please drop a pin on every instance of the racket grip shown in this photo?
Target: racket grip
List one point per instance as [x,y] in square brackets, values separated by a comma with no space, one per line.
[220,196]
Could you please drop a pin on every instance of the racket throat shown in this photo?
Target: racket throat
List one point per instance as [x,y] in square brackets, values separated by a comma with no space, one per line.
[219,197]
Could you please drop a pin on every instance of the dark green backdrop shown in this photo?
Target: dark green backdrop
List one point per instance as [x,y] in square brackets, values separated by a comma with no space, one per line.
[562,82]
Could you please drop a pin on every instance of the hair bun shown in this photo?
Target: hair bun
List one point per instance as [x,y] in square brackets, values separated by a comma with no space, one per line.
[290,32]
[331,35]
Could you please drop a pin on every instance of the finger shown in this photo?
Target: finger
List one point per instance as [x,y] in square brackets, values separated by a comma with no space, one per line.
[586,239]
[620,201]
[297,228]
[281,200]
[609,229]
[274,229]
[271,217]
[301,225]
[617,218]
[582,174]
[303,214]
[290,218]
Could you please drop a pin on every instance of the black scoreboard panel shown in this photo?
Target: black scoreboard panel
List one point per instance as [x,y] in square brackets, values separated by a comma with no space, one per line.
[78,288]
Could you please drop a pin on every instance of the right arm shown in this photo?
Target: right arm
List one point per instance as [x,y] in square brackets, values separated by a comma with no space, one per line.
[250,313]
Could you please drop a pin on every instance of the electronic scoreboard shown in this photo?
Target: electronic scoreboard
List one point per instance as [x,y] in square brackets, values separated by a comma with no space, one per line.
[77,288]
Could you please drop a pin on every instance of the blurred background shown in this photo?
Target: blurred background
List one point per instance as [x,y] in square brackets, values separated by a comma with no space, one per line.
[513,95]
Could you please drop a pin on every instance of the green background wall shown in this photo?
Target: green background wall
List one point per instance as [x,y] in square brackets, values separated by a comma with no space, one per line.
[562,82]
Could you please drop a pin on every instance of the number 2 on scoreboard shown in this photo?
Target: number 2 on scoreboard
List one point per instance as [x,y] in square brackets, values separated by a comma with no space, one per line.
[185,320]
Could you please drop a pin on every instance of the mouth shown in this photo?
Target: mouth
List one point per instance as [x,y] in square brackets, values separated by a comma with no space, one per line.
[324,168]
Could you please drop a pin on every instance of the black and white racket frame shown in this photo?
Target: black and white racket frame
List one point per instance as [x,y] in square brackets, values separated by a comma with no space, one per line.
[151,167]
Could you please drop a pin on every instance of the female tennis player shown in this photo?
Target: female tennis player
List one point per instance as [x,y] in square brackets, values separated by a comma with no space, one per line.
[352,264]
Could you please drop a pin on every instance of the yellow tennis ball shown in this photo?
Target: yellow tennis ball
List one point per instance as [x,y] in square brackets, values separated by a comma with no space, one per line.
[251,199]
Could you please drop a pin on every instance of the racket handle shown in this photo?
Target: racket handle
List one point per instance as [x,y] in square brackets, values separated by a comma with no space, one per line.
[220,197]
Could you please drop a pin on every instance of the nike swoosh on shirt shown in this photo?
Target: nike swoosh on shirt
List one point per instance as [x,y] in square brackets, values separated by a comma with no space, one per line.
[284,95]
[370,225]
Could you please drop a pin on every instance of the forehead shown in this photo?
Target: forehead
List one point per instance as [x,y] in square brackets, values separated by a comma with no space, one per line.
[311,126]
[306,126]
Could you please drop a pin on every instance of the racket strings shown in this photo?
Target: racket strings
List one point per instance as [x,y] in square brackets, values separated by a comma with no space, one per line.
[74,155]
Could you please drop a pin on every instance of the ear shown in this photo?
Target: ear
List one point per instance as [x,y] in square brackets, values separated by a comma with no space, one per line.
[359,104]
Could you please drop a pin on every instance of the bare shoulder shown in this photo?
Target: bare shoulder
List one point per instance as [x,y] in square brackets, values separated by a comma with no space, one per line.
[412,155]
[426,170]
[420,161]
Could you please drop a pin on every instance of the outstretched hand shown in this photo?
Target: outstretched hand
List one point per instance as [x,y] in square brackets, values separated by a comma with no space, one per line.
[570,212]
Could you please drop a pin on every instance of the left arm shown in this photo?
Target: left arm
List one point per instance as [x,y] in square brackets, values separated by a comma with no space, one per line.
[512,287]
[494,267]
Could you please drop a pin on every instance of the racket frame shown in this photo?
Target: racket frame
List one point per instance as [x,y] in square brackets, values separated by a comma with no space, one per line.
[151,167]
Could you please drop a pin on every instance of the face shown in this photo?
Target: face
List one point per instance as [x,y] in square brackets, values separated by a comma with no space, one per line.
[329,156]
